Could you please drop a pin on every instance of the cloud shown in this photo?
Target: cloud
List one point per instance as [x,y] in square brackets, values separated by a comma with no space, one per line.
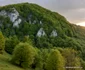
[73,10]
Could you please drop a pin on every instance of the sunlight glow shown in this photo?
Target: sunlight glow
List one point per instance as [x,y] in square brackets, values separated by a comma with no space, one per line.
[81,24]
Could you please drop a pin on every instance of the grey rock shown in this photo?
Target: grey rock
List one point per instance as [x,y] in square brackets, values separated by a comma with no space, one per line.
[41,32]
[54,33]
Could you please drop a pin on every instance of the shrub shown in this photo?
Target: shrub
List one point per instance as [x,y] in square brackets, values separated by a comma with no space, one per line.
[11,42]
[71,58]
[40,59]
[2,42]
[55,61]
[23,55]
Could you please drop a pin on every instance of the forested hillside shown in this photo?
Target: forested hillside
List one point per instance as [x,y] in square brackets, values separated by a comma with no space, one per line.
[39,39]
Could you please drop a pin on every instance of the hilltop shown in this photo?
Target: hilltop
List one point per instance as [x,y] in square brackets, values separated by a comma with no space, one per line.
[36,22]
[44,30]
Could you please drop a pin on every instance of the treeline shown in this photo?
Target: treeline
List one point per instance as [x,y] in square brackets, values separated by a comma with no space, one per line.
[26,55]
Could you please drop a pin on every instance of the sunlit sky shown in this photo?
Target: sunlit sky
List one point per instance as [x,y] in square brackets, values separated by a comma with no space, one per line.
[73,10]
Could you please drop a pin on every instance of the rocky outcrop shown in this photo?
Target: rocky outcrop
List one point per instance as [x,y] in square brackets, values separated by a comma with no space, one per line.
[41,32]
[34,22]
[13,16]
[54,33]
[40,22]
[17,22]
[3,13]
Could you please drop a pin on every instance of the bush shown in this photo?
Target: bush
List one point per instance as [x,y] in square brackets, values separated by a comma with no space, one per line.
[55,61]
[2,42]
[71,58]
[40,59]
[11,42]
[23,55]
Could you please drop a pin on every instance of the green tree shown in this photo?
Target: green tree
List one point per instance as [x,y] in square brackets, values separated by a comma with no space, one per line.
[40,59]
[28,40]
[42,42]
[71,59]
[55,61]
[77,64]
[11,42]
[2,42]
[23,55]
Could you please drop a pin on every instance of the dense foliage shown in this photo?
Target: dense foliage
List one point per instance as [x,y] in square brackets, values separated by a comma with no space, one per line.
[55,61]
[35,17]
[66,49]
[2,42]
[11,42]
[23,55]
[71,58]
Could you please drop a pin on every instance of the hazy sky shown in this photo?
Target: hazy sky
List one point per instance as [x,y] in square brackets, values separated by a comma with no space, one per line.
[73,10]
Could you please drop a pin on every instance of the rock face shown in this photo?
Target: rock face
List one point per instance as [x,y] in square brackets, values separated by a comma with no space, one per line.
[40,22]
[41,32]
[54,33]
[34,22]
[3,13]
[17,22]
[13,16]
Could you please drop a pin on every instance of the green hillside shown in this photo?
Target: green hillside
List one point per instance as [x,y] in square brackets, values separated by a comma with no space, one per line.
[5,63]
[43,29]
[35,17]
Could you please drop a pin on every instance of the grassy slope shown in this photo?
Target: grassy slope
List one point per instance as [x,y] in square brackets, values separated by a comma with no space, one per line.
[5,64]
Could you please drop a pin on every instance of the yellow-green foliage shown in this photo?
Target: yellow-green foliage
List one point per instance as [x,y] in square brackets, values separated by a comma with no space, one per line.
[55,61]
[68,34]
[77,64]
[23,55]
[71,59]
[40,59]
[2,42]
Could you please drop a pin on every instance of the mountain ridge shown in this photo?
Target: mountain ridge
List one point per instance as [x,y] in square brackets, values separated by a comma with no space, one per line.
[26,19]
